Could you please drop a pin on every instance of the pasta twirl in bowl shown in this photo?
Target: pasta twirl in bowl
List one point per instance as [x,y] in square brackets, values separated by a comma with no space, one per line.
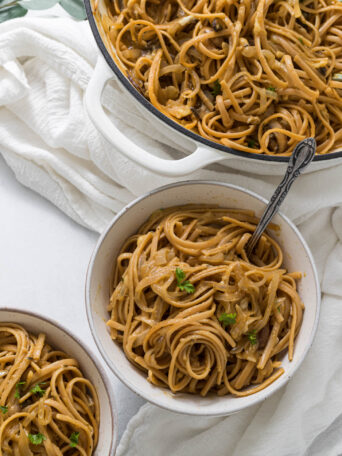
[54,397]
[212,332]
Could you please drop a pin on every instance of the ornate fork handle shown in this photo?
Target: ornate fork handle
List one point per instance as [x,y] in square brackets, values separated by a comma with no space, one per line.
[301,157]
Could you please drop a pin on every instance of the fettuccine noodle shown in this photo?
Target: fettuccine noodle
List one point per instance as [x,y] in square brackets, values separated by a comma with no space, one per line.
[254,75]
[194,313]
[47,406]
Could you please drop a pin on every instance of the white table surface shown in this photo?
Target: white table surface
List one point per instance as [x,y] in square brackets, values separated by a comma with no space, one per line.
[43,261]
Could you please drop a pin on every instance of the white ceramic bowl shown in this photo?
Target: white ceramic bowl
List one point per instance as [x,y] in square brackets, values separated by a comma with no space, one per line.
[297,257]
[60,338]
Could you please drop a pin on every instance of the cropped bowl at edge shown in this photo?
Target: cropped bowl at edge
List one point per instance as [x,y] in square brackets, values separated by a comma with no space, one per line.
[61,338]
[297,257]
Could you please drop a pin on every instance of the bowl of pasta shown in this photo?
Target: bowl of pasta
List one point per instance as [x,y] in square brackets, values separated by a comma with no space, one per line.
[55,398]
[180,313]
[238,83]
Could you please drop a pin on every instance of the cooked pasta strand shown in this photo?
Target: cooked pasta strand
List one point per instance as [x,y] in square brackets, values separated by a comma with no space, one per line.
[44,399]
[193,312]
[254,75]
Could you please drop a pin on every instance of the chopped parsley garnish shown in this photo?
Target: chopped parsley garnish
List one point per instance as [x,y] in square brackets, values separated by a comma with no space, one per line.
[227,319]
[301,41]
[251,143]
[253,338]
[182,284]
[37,390]
[74,439]
[217,89]
[36,439]
[4,409]
[17,389]
[271,92]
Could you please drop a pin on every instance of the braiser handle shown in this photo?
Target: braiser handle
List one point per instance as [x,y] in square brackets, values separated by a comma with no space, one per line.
[196,160]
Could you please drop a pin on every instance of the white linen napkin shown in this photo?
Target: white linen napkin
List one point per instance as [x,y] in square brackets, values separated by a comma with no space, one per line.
[52,147]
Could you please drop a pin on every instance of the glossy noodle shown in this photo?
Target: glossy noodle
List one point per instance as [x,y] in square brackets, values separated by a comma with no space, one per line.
[194,313]
[47,406]
[257,76]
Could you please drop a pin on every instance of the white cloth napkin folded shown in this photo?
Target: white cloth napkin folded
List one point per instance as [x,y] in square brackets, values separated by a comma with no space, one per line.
[52,147]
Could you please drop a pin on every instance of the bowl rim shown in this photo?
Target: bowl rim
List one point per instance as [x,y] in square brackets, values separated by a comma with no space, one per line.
[92,356]
[256,398]
[173,124]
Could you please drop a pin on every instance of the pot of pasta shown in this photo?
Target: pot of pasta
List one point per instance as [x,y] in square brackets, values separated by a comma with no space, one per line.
[238,82]
[180,313]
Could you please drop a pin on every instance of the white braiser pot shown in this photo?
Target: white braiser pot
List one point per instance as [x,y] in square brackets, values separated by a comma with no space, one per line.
[201,152]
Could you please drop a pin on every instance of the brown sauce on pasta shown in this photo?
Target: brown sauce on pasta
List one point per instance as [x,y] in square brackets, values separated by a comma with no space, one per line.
[194,313]
[254,75]
[47,406]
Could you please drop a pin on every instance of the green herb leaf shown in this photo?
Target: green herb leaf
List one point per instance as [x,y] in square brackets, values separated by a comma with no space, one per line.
[180,275]
[272,92]
[4,409]
[227,319]
[11,12]
[74,439]
[75,8]
[10,9]
[252,336]
[188,287]
[17,394]
[182,284]
[37,4]
[217,89]
[252,143]
[301,41]
[37,390]
[36,439]
[337,76]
